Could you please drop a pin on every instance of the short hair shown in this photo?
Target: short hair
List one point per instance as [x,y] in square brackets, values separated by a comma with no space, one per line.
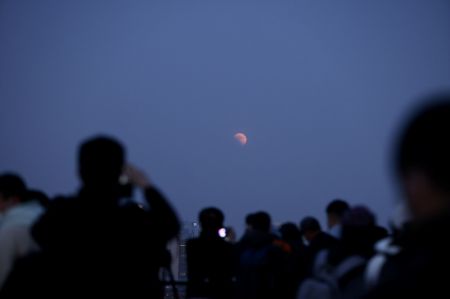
[359,216]
[259,221]
[338,207]
[290,231]
[211,218]
[12,185]
[310,224]
[101,160]
[423,143]
[249,219]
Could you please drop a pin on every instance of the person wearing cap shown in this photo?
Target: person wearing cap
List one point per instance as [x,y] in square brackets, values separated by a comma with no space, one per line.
[19,211]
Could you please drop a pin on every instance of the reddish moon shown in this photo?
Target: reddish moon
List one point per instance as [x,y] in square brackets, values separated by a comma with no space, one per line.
[241,137]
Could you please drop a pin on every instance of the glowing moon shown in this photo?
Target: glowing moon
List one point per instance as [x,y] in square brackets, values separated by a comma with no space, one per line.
[241,137]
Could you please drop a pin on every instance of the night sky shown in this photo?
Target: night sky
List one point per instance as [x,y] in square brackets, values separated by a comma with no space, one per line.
[319,87]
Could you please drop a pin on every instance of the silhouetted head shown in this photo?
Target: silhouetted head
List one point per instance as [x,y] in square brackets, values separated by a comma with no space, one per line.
[359,231]
[100,162]
[290,232]
[422,158]
[336,210]
[211,219]
[249,220]
[310,227]
[259,221]
[359,216]
[12,191]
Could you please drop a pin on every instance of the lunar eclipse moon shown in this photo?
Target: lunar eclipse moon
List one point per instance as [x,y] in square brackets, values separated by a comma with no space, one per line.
[241,138]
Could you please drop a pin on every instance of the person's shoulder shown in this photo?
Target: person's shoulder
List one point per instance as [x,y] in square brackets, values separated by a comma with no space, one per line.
[282,245]
[328,237]
[61,201]
[62,205]
[321,241]
[11,231]
[223,244]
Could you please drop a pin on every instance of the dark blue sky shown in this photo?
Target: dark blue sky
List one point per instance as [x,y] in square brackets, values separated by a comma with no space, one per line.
[318,86]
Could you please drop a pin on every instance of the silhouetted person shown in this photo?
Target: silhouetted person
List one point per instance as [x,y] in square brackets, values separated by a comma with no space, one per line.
[292,235]
[98,244]
[422,163]
[340,268]
[210,259]
[316,238]
[336,210]
[19,208]
[262,261]
[359,235]
[387,247]
[296,269]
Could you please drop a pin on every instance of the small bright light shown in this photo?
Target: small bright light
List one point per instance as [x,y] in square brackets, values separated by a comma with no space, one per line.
[222,232]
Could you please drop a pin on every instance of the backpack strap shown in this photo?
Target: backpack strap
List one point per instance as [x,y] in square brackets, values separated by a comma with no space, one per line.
[349,269]
[385,249]
[320,262]
[349,264]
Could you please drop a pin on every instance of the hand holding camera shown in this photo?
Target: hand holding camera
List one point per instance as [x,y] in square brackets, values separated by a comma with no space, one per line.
[136,177]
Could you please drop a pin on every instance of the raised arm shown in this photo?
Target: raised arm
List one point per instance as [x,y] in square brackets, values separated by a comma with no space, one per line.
[163,215]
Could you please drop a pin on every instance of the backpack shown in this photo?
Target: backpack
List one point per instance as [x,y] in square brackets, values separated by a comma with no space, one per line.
[258,274]
[255,257]
[327,281]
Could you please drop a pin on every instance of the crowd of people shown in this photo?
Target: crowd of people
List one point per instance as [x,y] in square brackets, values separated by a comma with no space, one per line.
[100,242]
[284,262]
